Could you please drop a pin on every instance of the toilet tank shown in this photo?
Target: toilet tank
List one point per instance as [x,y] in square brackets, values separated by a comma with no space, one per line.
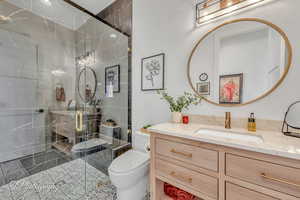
[140,141]
[111,131]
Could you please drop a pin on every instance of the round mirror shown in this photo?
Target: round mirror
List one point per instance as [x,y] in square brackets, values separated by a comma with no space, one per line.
[239,62]
[87,84]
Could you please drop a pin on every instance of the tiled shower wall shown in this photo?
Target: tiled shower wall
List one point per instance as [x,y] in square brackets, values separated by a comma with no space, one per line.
[94,35]
[54,50]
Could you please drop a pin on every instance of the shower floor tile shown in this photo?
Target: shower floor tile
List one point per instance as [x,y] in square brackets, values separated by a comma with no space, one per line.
[63,182]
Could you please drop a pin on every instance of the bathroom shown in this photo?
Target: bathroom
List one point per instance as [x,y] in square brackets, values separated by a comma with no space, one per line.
[86,85]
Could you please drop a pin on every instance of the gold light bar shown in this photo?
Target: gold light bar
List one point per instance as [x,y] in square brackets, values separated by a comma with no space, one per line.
[209,10]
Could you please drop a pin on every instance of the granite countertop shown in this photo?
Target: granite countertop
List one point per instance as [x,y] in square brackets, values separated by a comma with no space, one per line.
[274,143]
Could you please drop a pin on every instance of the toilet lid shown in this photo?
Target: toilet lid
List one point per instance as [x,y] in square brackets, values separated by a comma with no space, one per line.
[129,161]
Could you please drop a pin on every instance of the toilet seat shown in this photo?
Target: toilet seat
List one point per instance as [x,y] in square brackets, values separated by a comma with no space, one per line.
[129,161]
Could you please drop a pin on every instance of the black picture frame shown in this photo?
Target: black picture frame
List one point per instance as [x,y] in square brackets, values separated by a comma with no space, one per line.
[117,68]
[162,74]
[241,81]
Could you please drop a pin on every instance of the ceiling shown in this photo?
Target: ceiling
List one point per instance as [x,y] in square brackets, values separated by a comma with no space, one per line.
[62,13]
[94,6]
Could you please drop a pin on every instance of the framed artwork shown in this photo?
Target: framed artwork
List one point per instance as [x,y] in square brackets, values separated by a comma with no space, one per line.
[231,89]
[112,75]
[153,72]
[203,88]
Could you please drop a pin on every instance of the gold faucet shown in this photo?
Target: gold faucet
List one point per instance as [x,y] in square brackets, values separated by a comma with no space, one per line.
[228,120]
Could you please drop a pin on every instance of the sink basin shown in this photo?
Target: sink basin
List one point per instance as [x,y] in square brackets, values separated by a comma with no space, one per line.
[231,135]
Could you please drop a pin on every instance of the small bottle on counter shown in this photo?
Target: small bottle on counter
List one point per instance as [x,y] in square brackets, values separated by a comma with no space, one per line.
[252,123]
[185,119]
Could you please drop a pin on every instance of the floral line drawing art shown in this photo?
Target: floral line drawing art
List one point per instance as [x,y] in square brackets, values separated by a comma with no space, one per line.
[154,69]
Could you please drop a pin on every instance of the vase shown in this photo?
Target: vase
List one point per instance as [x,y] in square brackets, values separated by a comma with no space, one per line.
[176,117]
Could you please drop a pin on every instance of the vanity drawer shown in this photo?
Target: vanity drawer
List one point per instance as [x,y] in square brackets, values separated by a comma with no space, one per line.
[196,181]
[270,175]
[201,157]
[235,192]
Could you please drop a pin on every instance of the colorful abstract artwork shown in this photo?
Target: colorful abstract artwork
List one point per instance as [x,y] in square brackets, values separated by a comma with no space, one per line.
[230,89]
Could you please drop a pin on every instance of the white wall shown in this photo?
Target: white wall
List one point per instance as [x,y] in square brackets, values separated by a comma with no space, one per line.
[245,53]
[168,26]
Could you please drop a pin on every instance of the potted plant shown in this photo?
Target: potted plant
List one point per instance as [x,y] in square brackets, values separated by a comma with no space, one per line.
[177,105]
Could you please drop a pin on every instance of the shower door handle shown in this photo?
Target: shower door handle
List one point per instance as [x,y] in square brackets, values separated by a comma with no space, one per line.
[79,121]
[39,111]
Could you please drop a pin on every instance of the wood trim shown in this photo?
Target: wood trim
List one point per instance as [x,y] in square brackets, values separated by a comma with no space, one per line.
[287,67]
[222,184]
[153,184]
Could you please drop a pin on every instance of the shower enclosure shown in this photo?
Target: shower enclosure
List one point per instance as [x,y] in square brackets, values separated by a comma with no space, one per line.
[63,101]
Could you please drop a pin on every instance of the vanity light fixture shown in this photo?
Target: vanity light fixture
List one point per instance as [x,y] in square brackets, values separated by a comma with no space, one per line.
[113,35]
[209,10]
[58,72]
[87,60]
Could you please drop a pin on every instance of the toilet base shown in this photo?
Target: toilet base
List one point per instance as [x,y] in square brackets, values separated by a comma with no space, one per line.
[136,192]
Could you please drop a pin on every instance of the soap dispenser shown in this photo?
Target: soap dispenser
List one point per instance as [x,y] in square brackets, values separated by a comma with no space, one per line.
[252,123]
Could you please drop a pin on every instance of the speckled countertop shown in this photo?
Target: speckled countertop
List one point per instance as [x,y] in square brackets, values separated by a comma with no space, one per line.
[274,143]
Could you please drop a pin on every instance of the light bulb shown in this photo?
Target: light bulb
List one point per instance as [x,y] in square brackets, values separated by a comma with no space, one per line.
[47,2]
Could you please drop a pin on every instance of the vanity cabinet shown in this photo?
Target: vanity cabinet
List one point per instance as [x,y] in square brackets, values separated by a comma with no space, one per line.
[189,154]
[215,172]
[270,175]
[64,133]
[235,192]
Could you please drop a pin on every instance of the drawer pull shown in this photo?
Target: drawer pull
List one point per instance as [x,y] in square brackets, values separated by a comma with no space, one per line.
[263,175]
[189,155]
[185,179]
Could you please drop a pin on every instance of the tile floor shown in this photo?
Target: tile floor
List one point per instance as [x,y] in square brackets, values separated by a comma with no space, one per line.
[20,168]
[63,182]
[54,176]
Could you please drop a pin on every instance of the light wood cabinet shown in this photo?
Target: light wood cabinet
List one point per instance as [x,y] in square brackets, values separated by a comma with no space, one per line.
[235,192]
[195,180]
[214,172]
[190,154]
[285,179]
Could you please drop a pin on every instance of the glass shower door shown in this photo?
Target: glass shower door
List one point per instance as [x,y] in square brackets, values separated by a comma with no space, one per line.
[20,116]
[54,101]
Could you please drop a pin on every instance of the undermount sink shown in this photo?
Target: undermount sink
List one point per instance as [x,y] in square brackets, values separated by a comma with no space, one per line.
[231,135]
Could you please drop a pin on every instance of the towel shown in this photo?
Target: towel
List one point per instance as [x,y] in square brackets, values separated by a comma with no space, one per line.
[176,193]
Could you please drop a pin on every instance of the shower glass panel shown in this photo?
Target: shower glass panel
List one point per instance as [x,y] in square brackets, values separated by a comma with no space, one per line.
[63,101]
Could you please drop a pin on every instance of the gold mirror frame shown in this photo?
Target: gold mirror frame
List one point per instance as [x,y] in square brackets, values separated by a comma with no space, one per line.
[287,67]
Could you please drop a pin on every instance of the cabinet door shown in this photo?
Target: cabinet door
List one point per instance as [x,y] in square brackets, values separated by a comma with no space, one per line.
[277,177]
[235,192]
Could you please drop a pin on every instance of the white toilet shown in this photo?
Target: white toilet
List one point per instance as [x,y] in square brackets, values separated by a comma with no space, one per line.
[129,173]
